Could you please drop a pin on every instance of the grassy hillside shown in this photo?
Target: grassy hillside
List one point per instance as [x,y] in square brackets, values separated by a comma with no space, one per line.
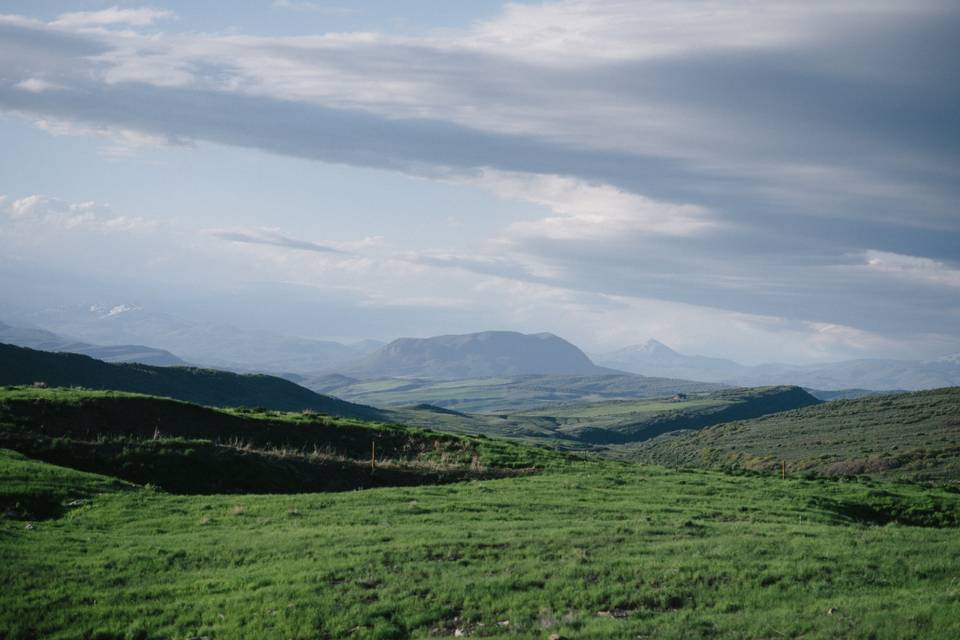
[633,420]
[911,435]
[31,489]
[505,394]
[185,448]
[592,550]
[21,366]
[611,423]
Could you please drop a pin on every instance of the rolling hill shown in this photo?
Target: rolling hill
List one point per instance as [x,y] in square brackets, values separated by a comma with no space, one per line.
[474,355]
[20,366]
[187,448]
[911,435]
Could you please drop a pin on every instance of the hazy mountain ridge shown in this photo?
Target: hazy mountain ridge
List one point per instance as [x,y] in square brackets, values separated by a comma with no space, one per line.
[474,355]
[43,340]
[872,374]
[210,344]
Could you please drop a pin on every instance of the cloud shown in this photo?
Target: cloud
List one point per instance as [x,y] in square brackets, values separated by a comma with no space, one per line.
[590,211]
[914,268]
[795,160]
[312,7]
[54,213]
[270,237]
[123,142]
[490,265]
[723,117]
[36,85]
[113,16]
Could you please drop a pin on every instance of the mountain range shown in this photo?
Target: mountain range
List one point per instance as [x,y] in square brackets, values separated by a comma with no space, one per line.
[209,344]
[48,341]
[117,333]
[656,358]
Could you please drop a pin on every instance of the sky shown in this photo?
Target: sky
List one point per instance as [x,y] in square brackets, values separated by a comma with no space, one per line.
[766,181]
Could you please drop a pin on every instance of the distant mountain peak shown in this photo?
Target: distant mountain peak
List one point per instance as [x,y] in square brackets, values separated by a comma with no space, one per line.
[475,355]
[654,346]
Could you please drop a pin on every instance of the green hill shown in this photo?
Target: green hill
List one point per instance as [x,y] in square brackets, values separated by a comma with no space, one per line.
[186,448]
[910,435]
[22,366]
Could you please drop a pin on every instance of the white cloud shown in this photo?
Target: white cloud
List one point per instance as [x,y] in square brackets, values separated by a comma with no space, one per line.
[123,141]
[37,85]
[913,268]
[565,32]
[568,31]
[591,211]
[44,211]
[142,17]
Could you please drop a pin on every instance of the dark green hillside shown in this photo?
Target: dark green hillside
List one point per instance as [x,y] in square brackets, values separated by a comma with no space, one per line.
[21,366]
[32,489]
[185,448]
[911,435]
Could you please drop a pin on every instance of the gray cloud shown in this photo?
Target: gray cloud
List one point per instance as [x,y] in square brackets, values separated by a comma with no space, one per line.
[810,151]
[271,238]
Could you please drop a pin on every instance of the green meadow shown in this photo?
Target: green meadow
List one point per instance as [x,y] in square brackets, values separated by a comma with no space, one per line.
[595,550]
[180,534]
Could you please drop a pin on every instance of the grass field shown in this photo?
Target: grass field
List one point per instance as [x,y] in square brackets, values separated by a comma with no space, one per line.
[913,436]
[496,539]
[598,550]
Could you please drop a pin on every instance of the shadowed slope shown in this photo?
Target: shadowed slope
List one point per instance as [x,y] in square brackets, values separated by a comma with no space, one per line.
[204,386]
